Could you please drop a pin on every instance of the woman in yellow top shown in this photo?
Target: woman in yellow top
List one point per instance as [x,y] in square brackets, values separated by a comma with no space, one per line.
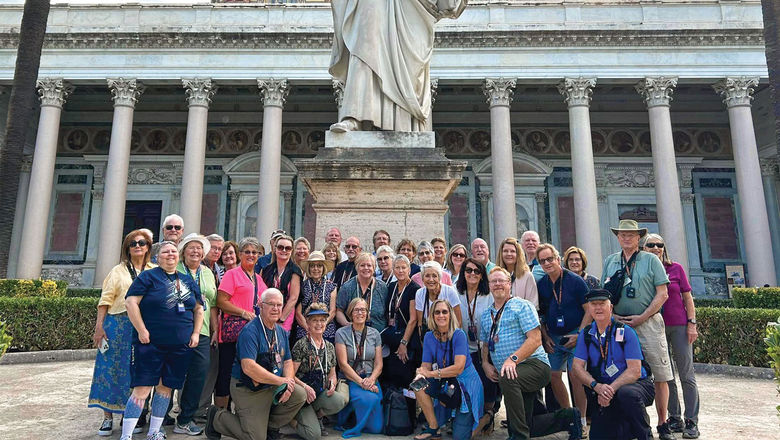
[114,332]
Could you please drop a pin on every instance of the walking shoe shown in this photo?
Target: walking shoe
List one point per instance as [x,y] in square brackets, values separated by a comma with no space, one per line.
[664,433]
[211,433]
[189,429]
[675,424]
[159,435]
[574,421]
[106,428]
[126,437]
[168,421]
[691,430]
[323,432]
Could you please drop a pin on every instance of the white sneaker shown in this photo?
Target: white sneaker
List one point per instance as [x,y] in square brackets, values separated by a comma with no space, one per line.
[189,429]
[106,428]
[159,435]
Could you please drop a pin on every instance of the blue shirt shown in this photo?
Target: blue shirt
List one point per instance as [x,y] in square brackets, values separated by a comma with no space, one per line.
[536,270]
[435,351]
[617,354]
[517,319]
[263,261]
[377,292]
[160,298]
[572,289]
[253,339]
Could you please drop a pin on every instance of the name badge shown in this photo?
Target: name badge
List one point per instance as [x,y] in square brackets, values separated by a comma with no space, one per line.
[627,281]
[620,334]
[278,358]
[180,307]
[611,370]
[391,322]
[472,333]
[559,322]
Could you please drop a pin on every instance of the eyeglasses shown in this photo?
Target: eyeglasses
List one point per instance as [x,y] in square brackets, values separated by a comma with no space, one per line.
[547,260]
[386,257]
[351,246]
[472,270]
[654,245]
[575,260]
[172,227]
[359,310]
[424,253]
[499,281]
[248,252]
[140,243]
[441,312]
[458,255]
[273,305]
[283,248]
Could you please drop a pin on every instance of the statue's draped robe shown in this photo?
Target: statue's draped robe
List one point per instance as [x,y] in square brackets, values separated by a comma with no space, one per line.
[381,52]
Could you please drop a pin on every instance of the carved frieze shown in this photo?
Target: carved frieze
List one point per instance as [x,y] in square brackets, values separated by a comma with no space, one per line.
[151,176]
[630,177]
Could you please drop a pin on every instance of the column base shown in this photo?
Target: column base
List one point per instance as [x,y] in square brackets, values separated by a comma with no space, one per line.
[364,181]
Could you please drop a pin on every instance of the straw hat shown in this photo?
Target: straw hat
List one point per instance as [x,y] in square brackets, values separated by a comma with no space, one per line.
[195,237]
[629,225]
[319,257]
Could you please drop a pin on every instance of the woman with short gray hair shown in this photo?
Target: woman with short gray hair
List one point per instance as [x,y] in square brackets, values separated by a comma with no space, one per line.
[424,255]
[433,289]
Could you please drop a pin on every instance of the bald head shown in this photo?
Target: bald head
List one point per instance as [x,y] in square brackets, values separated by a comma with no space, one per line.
[480,251]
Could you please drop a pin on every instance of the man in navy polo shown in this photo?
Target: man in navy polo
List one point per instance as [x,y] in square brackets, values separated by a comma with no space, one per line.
[608,358]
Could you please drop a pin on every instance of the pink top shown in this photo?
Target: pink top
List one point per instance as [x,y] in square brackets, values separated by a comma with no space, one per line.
[525,287]
[445,278]
[674,308]
[237,285]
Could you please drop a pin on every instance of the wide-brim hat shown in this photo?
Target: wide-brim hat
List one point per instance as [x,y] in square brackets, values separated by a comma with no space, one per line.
[195,237]
[629,225]
[317,257]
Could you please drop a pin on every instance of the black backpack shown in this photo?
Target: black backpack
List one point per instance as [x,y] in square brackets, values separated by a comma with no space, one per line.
[596,371]
[396,413]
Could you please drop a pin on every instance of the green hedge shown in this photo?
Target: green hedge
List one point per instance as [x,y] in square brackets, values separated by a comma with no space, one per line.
[49,323]
[710,302]
[83,293]
[26,288]
[733,336]
[757,297]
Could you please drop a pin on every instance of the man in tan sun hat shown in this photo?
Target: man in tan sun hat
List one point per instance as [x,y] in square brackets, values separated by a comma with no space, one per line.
[642,295]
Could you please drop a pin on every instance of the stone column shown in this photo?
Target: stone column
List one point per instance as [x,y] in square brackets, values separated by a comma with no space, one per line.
[484,207]
[199,93]
[53,92]
[125,93]
[287,215]
[577,93]
[755,223]
[657,93]
[233,232]
[434,92]
[769,176]
[21,205]
[499,92]
[541,216]
[273,93]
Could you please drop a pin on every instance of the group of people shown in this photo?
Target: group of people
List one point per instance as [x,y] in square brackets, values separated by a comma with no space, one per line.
[297,337]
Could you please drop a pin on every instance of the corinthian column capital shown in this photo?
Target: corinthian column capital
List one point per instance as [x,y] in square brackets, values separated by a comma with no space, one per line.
[53,91]
[273,92]
[199,91]
[657,91]
[499,91]
[577,91]
[737,92]
[125,92]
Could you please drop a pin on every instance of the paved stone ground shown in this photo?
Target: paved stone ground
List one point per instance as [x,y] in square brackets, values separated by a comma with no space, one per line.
[48,401]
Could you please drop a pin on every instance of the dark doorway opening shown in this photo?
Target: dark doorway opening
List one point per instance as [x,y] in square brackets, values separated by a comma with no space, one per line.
[143,214]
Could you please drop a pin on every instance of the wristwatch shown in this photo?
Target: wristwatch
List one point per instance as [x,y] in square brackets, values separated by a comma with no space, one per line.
[514,358]
[404,342]
[593,384]
[692,321]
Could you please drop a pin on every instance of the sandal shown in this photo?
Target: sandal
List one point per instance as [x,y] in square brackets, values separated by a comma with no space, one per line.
[428,434]
[487,423]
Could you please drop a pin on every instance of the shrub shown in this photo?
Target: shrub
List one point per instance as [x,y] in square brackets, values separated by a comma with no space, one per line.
[732,336]
[757,297]
[28,288]
[772,341]
[49,323]
[5,339]
[83,293]
[710,302]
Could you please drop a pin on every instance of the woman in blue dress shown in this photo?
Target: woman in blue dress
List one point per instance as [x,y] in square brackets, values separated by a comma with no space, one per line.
[446,355]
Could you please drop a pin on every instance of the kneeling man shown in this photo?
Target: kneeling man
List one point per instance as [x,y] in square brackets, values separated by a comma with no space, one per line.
[263,379]
[609,357]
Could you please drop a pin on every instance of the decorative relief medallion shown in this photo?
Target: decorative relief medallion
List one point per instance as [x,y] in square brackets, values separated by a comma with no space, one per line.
[598,142]
[102,141]
[291,140]
[454,141]
[562,142]
[214,140]
[316,140]
[180,140]
[682,142]
[257,140]
[537,142]
[479,141]
[77,140]
[622,142]
[709,142]
[157,140]
[645,143]
[150,176]
[238,141]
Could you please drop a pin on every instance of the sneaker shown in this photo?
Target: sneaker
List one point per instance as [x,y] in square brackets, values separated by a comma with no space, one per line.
[126,437]
[575,423]
[675,424]
[211,433]
[664,433]
[168,421]
[106,428]
[323,432]
[691,430]
[159,435]
[189,429]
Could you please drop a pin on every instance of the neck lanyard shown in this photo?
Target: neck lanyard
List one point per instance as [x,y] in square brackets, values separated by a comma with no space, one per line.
[559,296]
[317,357]
[315,298]
[496,320]
[359,348]
[197,274]
[271,346]
[370,293]
[628,265]
[395,302]
[346,276]
[472,307]
[428,302]
[175,280]
[444,354]
[604,349]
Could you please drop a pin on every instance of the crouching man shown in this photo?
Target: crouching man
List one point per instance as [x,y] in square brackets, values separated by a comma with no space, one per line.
[263,380]
[608,357]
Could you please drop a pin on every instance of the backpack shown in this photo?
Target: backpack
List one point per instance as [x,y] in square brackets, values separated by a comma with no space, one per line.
[596,371]
[396,413]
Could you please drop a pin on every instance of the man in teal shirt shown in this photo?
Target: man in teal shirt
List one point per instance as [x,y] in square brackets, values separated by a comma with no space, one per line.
[641,298]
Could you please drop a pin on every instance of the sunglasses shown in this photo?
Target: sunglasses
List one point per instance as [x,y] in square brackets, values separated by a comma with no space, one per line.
[351,246]
[472,270]
[172,227]
[250,252]
[654,245]
[441,312]
[140,243]
[386,257]
[283,248]
[458,255]
[547,260]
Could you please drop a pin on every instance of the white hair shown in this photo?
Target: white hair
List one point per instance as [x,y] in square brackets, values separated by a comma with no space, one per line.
[530,232]
[385,248]
[173,217]
[431,265]
[215,237]
[270,292]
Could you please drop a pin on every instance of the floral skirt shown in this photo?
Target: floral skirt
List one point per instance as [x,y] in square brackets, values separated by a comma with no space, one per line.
[111,379]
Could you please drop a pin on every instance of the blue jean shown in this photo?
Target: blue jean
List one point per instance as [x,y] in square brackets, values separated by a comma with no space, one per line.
[462,423]
[196,378]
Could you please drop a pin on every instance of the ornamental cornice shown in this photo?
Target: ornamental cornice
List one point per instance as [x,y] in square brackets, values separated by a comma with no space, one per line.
[53,91]
[657,91]
[499,91]
[737,92]
[125,92]
[577,91]
[273,92]
[464,39]
[199,91]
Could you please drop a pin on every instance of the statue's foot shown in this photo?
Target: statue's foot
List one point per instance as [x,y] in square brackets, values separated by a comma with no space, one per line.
[345,126]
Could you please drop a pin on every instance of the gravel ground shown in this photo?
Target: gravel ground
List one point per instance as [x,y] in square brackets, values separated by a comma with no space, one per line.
[49,401]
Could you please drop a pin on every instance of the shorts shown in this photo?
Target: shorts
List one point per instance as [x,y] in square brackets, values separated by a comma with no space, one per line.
[154,362]
[561,358]
[652,337]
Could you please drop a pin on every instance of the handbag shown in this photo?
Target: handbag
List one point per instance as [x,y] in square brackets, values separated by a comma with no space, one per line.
[450,394]
[231,327]
[615,283]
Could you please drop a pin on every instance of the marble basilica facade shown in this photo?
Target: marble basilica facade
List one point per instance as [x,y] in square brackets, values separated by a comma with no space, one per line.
[627,109]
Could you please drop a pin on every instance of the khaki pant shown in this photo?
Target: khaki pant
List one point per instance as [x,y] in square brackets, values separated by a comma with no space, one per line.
[652,337]
[255,412]
[308,424]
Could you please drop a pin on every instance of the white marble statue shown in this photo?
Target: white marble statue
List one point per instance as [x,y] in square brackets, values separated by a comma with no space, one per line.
[382,54]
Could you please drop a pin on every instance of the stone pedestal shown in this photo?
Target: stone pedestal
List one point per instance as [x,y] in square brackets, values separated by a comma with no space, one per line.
[364,181]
